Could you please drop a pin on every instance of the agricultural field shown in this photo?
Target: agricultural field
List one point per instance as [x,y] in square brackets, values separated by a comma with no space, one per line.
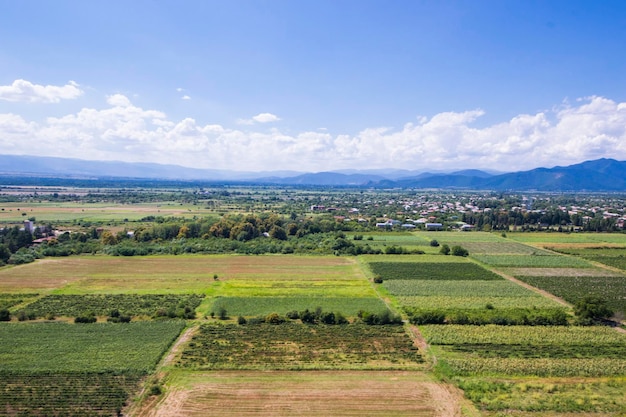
[540,261]
[296,346]
[166,274]
[307,394]
[383,240]
[145,305]
[255,306]
[10,300]
[77,370]
[612,288]
[438,271]
[55,212]
[547,238]
[534,369]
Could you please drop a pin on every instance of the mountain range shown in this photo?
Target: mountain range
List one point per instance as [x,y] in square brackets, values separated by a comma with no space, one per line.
[591,176]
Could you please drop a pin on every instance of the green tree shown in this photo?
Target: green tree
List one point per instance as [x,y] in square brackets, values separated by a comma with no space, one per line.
[592,308]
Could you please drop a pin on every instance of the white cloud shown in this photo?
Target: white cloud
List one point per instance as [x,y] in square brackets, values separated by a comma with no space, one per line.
[259,118]
[25,91]
[591,128]
[266,118]
[186,97]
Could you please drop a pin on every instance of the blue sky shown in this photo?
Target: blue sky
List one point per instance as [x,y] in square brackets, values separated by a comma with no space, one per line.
[315,85]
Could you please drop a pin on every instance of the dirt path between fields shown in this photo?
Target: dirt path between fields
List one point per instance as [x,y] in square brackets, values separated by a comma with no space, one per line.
[184,338]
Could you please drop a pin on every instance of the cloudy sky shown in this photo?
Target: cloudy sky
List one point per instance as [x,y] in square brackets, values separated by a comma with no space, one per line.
[315,85]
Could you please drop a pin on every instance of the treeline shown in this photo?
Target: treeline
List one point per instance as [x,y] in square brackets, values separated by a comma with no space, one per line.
[533,220]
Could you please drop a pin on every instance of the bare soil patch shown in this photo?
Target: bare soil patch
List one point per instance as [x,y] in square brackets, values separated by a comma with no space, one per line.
[337,393]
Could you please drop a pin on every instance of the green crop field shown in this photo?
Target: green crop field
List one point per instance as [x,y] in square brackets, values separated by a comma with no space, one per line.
[504,248]
[442,270]
[295,288]
[77,370]
[299,346]
[460,237]
[255,306]
[100,347]
[520,261]
[547,238]
[449,288]
[103,304]
[612,289]
[443,302]
[10,300]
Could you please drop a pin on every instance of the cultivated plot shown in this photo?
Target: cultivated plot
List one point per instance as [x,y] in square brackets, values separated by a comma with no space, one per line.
[311,393]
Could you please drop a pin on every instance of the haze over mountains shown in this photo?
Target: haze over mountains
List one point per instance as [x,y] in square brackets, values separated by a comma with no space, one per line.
[597,175]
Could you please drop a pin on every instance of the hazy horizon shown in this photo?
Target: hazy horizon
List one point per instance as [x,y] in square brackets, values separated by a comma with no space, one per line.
[314,86]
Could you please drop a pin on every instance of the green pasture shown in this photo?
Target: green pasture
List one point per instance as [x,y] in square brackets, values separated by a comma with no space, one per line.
[261,306]
[100,347]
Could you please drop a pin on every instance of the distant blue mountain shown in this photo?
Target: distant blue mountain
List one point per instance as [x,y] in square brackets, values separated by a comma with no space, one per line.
[592,176]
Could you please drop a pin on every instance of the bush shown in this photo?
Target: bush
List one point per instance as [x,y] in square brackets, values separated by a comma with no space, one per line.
[378,279]
[592,308]
[293,315]
[445,249]
[274,318]
[87,318]
[241,320]
[434,243]
[5,315]
[459,251]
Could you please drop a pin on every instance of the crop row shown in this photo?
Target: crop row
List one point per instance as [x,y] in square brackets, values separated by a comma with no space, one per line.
[510,248]
[300,346]
[582,350]
[541,261]
[612,289]
[101,347]
[103,304]
[489,315]
[432,271]
[65,394]
[522,335]
[500,288]
[456,302]
[541,367]
[9,300]
[267,288]
[254,306]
